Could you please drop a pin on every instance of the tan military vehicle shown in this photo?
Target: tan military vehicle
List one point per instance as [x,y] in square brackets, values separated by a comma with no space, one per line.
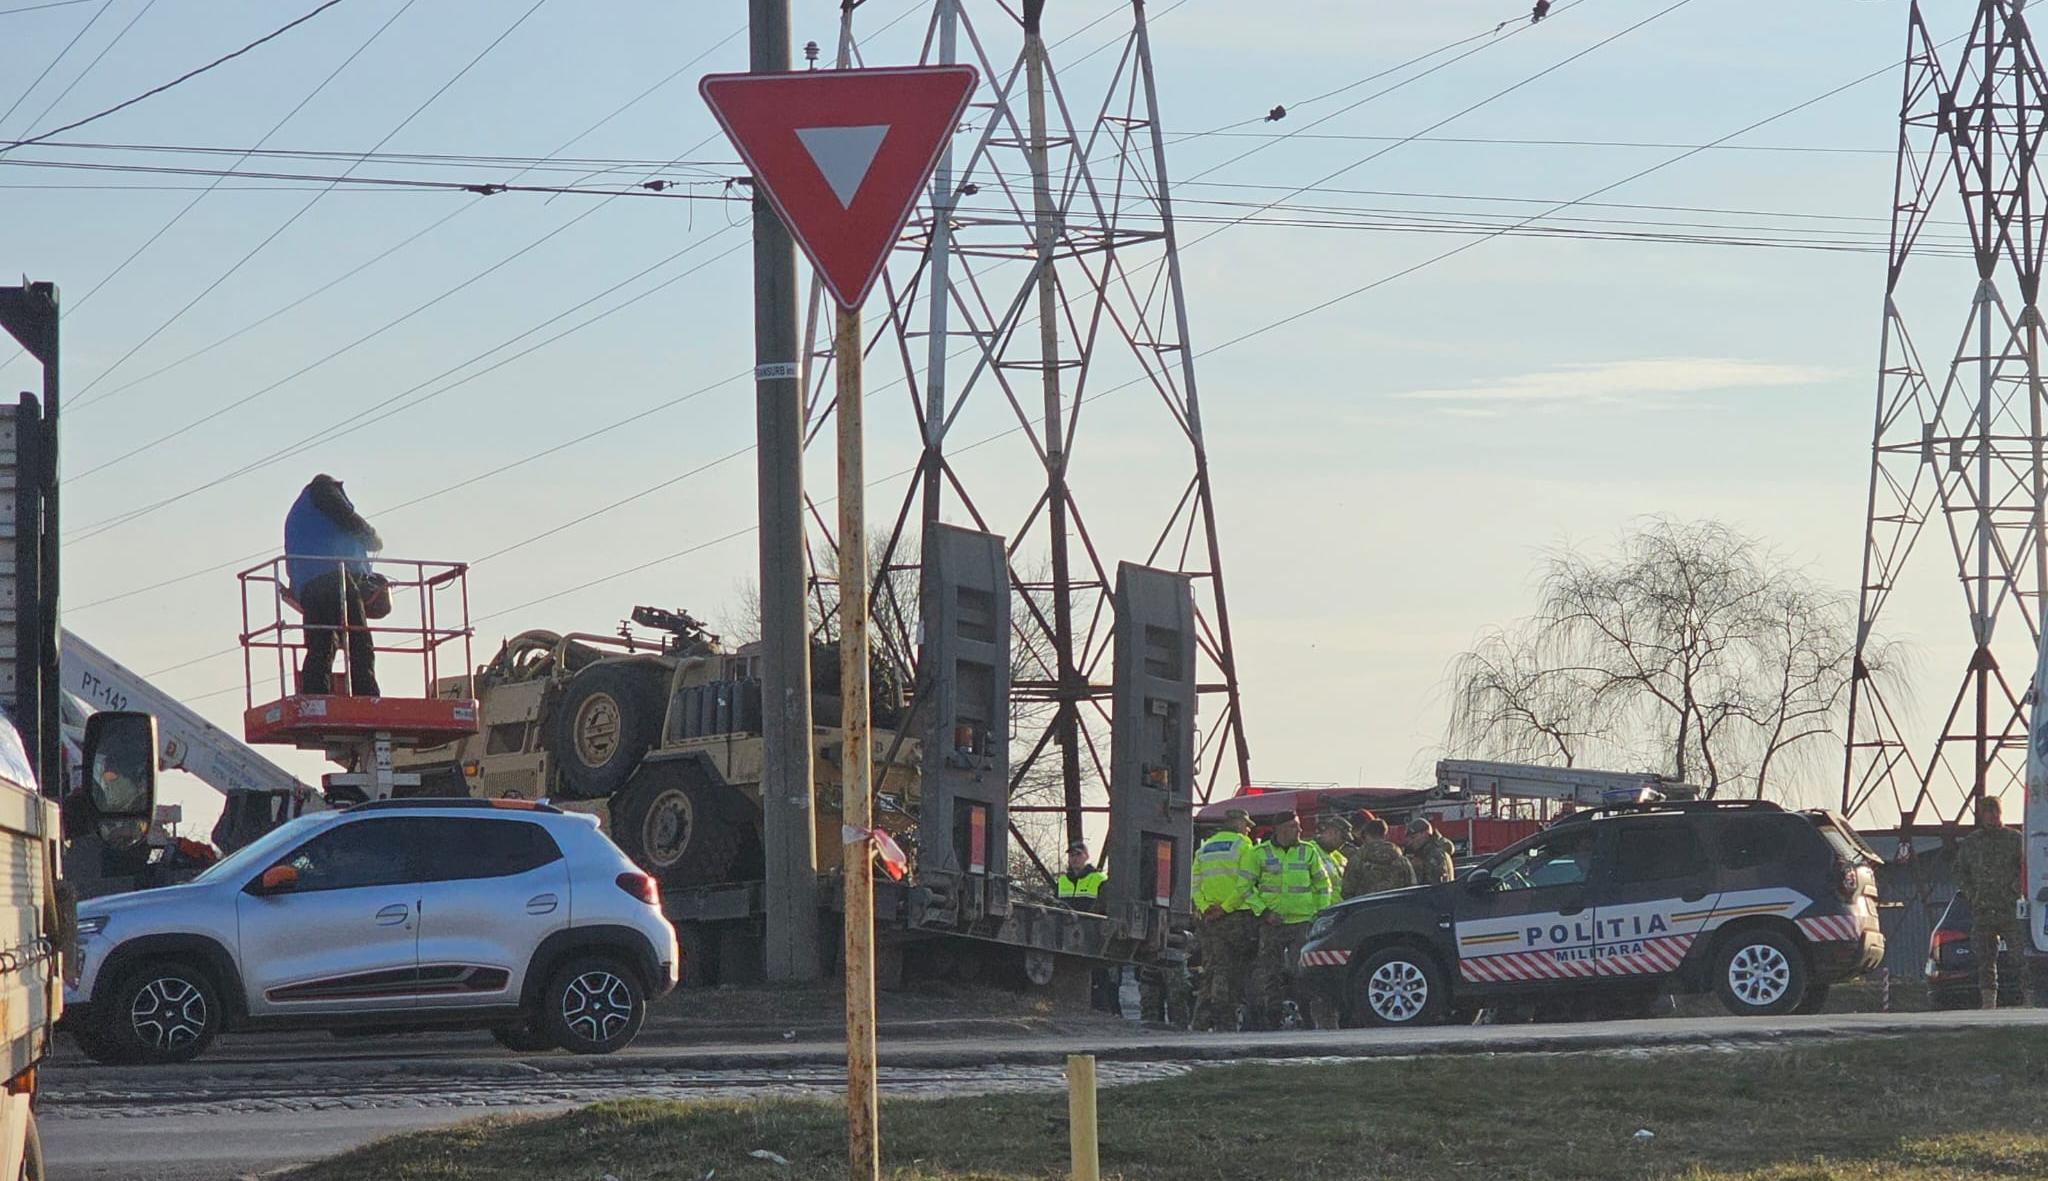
[660,737]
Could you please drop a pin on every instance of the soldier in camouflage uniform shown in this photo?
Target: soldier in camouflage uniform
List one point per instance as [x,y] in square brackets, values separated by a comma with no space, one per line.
[1988,877]
[1226,866]
[1376,864]
[1166,992]
[1429,853]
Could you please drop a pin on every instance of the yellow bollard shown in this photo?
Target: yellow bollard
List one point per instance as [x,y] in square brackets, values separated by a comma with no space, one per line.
[1081,1116]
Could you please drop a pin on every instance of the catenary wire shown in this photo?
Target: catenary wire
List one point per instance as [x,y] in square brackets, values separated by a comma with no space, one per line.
[314,201]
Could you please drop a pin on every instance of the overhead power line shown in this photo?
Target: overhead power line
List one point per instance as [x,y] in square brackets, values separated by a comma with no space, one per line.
[179,80]
[93,64]
[1274,325]
[260,246]
[40,7]
[73,305]
[61,55]
[330,284]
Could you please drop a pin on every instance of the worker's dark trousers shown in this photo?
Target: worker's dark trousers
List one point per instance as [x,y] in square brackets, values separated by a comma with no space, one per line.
[330,601]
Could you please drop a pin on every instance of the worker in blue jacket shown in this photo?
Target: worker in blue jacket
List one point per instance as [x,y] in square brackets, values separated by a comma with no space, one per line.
[327,547]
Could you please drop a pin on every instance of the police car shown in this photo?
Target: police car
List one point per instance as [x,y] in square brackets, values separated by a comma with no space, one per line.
[1614,905]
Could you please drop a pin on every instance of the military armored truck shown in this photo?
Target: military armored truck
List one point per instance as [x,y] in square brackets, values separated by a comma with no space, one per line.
[657,731]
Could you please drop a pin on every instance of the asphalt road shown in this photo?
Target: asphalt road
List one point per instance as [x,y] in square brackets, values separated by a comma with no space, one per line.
[260,1104]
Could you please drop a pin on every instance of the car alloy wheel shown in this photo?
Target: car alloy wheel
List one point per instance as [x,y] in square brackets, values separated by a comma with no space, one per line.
[1397,991]
[597,1005]
[168,1012]
[1759,974]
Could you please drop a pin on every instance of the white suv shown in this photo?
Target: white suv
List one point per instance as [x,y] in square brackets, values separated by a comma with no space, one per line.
[401,914]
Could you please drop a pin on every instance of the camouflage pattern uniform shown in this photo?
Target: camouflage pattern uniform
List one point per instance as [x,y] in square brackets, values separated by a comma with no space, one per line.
[1376,865]
[1166,993]
[1431,859]
[1230,942]
[1988,876]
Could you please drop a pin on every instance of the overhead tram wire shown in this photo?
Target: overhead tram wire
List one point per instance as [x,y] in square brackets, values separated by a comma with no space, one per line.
[1271,326]
[102,526]
[1494,97]
[1488,35]
[179,80]
[1346,109]
[95,529]
[99,527]
[93,64]
[179,216]
[1506,93]
[40,7]
[61,55]
[1235,341]
[315,200]
[388,251]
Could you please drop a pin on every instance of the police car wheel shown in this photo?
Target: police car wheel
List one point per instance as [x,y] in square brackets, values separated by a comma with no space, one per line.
[1399,986]
[1760,973]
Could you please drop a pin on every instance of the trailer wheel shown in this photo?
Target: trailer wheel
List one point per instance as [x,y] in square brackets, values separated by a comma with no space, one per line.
[679,827]
[607,718]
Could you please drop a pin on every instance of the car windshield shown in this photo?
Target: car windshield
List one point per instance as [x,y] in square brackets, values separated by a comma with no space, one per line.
[1553,859]
[267,846]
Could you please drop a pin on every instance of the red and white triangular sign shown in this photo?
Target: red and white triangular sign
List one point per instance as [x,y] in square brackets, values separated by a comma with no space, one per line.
[842,155]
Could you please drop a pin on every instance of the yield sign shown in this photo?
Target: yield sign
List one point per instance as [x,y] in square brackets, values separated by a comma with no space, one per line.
[842,155]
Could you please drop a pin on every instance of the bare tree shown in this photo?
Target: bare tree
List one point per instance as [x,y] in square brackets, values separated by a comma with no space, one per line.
[1692,647]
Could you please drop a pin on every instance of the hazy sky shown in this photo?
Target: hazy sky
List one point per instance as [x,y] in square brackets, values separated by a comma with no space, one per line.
[1388,470]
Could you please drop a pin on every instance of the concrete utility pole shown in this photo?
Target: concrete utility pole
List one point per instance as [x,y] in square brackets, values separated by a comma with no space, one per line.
[787,802]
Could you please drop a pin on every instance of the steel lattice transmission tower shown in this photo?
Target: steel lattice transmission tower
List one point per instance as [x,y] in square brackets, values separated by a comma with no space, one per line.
[1961,447]
[1036,295]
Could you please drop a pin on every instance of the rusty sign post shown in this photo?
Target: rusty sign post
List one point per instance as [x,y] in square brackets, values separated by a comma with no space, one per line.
[842,155]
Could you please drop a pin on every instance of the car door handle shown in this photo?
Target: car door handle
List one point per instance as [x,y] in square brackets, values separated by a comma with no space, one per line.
[1571,907]
[542,904]
[393,914]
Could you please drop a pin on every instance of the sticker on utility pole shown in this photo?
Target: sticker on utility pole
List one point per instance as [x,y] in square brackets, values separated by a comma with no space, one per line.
[776,371]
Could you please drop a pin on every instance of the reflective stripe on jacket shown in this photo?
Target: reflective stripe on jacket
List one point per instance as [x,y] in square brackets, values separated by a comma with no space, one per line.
[1334,862]
[1088,885]
[1292,881]
[1225,871]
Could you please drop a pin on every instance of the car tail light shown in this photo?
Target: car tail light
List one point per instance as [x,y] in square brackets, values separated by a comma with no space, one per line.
[640,886]
[1849,881]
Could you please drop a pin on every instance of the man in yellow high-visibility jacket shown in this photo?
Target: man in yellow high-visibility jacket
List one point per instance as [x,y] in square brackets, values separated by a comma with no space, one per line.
[1333,834]
[1293,883]
[1079,885]
[1226,867]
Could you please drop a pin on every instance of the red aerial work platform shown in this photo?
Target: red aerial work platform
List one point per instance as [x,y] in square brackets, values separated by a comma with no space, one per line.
[429,612]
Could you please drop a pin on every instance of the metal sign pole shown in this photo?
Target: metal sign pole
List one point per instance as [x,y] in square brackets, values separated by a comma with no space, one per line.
[856,762]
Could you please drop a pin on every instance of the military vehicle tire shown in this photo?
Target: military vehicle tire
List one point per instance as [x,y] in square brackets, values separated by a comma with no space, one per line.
[679,827]
[607,718]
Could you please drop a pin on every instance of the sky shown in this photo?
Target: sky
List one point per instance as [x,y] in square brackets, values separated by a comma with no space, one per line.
[1389,469]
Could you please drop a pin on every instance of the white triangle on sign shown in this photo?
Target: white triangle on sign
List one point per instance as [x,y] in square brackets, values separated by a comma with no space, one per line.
[843,155]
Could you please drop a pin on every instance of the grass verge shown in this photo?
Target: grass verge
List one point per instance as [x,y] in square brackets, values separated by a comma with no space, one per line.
[1947,1107]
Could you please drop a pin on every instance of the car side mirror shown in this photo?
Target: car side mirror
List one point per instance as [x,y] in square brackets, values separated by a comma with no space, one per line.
[118,753]
[1481,881]
[278,879]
